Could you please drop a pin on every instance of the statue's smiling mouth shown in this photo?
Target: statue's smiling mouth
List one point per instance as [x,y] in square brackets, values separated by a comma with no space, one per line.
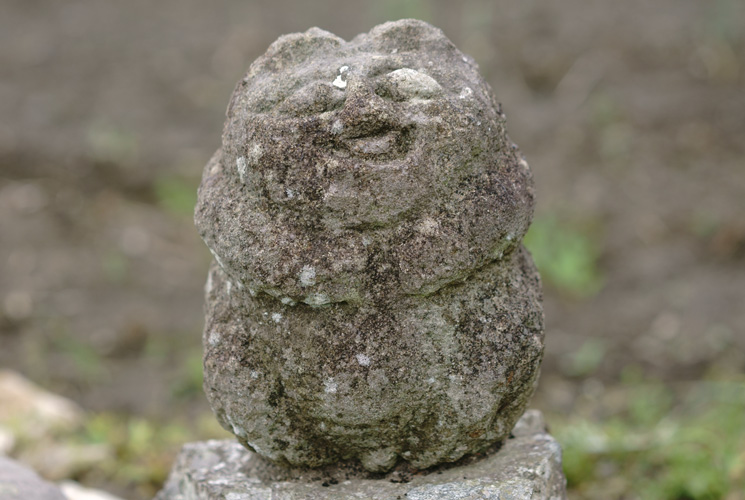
[376,144]
[384,145]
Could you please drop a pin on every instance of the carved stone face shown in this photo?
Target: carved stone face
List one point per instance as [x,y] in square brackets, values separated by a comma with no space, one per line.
[359,130]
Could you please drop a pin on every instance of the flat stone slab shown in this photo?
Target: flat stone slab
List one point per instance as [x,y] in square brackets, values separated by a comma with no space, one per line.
[526,466]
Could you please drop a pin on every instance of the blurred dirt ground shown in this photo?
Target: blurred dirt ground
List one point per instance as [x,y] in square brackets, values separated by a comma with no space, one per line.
[631,115]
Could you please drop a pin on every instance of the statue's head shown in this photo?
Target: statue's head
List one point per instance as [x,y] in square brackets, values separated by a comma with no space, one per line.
[376,139]
[322,121]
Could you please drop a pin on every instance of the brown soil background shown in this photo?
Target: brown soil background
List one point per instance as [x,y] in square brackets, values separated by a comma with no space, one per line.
[631,115]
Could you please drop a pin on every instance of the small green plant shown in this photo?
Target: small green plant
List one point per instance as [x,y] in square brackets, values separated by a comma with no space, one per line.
[586,359]
[112,144]
[176,195]
[566,253]
[80,354]
[670,443]
[115,266]
[190,381]
[391,10]
[142,450]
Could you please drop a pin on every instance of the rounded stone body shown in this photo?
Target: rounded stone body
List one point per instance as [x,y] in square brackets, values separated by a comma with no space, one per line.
[370,299]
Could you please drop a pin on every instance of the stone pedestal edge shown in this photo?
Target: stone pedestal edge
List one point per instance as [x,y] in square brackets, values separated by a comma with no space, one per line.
[527,466]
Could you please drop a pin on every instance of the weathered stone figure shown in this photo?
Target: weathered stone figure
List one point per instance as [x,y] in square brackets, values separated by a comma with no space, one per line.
[370,298]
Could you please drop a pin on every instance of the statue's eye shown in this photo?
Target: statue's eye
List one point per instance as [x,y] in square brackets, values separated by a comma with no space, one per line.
[312,99]
[407,84]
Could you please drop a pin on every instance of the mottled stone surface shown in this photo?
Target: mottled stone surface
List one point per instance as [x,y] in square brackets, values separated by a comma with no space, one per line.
[370,299]
[528,466]
[18,482]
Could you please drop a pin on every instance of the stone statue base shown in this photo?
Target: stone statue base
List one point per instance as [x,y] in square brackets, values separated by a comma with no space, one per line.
[526,466]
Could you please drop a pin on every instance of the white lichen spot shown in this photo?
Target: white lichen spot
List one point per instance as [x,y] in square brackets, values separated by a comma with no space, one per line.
[254,154]
[431,380]
[428,226]
[394,51]
[228,286]
[330,386]
[276,317]
[509,237]
[237,429]
[240,164]
[337,127]
[317,299]
[257,450]
[466,92]
[254,375]
[217,259]
[465,59]
[208,285]
[341,78]
[287,301]
[523,163]
[363,359]
[332,191]
[338,82]
[307,276]
[414,84]
[322,426]
[214,338]
[290,193]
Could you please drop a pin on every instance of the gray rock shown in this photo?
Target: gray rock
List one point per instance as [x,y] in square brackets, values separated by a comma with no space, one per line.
[76,491]
[31,412]
[18,482]
[370,299]
[528,466]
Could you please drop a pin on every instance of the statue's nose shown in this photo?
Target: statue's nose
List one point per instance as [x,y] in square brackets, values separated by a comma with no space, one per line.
[364,112]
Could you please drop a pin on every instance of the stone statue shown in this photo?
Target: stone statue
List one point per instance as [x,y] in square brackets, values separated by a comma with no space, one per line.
[369,299]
